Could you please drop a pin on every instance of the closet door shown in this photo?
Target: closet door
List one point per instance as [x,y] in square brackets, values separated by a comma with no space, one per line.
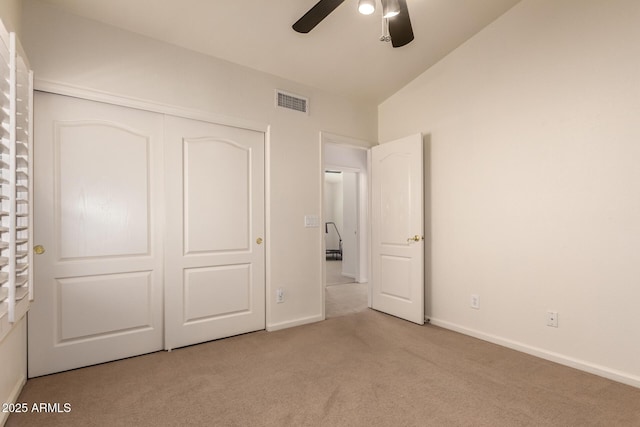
[215,257]
[98,212]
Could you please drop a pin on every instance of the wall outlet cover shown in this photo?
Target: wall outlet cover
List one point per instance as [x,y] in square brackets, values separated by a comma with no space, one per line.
[475,301]
[552,319]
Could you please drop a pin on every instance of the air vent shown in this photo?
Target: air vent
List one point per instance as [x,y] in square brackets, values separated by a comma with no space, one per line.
[292,102]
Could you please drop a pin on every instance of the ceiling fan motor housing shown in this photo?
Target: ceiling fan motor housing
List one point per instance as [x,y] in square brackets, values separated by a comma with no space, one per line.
[397,29]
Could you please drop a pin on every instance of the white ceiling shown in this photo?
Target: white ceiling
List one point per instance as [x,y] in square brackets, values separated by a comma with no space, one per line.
[342,54]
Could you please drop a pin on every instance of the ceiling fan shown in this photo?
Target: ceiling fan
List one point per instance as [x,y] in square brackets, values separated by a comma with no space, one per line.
[396,22]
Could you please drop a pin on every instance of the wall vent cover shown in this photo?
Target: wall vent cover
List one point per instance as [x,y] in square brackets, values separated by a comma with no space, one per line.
[292,102]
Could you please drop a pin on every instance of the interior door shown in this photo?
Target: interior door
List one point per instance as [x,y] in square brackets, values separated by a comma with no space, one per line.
[98,284]
[215,257]
[398,228]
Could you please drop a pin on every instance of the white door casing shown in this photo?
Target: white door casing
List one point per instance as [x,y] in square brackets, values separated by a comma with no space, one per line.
[397,219]
[98,206]
[215,255]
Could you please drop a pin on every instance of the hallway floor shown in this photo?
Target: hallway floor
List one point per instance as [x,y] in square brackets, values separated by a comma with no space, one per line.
[342,295]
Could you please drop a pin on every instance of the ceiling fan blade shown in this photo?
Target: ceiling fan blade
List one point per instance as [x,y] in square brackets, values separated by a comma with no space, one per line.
[400,28]
[315,15]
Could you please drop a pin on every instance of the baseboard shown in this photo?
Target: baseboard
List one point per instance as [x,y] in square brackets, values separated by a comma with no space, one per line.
[13,398]
[602,371]
[296,322]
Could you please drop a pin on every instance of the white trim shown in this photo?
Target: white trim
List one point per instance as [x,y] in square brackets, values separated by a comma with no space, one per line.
[13,397]
[297,322]
[368,248]
[66,89]
[345,141]
[323,256]
[562,359]
[267,227]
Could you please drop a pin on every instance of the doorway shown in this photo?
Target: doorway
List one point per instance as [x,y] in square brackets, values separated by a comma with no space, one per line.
[341,226]
[345,225]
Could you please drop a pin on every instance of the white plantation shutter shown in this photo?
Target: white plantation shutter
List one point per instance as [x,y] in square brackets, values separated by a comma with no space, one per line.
[5,142]
[16,211]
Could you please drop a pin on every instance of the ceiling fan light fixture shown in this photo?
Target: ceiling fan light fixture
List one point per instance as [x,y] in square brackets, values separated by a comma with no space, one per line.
[390,8]
[366,7]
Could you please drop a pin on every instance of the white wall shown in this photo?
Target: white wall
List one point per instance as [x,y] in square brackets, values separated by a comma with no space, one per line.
[341,207]
[77,51]
[10,13]
[332,209]
[534,126]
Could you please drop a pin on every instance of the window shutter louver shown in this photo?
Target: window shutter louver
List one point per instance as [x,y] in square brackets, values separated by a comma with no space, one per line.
[16,212]
[5,142]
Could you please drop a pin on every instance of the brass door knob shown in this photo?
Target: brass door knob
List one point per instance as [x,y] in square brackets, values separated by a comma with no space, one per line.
[38,249]
[415,238]
[259,240]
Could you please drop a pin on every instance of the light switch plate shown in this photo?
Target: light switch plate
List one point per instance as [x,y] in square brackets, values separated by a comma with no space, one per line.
[311,221]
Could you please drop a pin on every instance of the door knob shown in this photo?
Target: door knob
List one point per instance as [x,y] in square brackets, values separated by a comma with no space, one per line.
[415,238]
[259,240]
[38,249]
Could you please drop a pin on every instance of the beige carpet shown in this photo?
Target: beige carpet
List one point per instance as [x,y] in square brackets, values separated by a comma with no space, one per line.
[342,294]
[363,369]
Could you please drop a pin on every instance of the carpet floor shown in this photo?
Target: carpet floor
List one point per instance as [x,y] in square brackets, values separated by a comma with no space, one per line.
[333,273]
[345,299]
[362,369]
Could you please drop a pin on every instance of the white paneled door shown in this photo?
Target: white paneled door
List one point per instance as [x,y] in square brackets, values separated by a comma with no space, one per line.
[215,256]
[98,210]
[152,228]
[397,228]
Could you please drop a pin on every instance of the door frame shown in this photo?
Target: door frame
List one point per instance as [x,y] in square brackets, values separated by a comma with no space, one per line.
[364,227]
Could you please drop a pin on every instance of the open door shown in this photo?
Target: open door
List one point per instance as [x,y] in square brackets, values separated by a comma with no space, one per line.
[397,219]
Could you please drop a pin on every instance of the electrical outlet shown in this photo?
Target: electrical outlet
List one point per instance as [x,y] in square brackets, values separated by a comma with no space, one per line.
[475,301]
[279,295]
[552,319]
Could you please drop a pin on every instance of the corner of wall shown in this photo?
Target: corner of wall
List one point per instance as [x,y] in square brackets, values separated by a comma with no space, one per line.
[13,376]
[11,15]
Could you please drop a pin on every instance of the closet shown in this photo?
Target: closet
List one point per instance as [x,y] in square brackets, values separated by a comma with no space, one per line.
[152,227]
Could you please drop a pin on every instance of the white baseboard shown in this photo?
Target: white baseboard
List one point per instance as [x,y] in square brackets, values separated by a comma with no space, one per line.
[296,322]
[13,398]
[603,371]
